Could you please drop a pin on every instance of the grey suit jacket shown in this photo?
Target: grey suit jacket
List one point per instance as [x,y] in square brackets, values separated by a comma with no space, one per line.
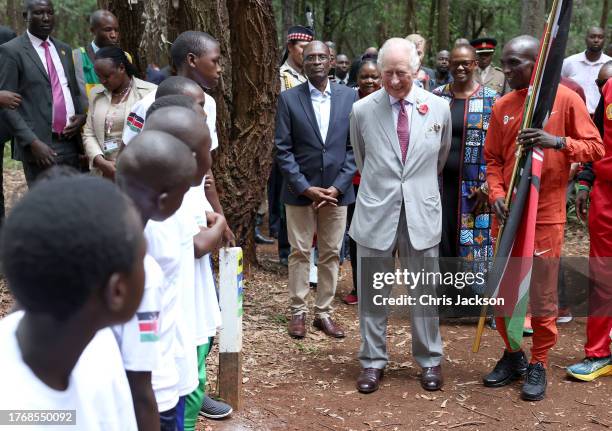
[386,182]
[6,34]
[304,159]
[22,71]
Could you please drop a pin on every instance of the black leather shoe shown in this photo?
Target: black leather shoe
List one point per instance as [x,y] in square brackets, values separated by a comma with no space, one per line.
[534,387]
[512,366]
[260,239]
[369,380]
[431,378]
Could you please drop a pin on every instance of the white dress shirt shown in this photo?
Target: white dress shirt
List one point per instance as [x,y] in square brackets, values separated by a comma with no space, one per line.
[409,104]
[321,104]
[584,72]
[59,67]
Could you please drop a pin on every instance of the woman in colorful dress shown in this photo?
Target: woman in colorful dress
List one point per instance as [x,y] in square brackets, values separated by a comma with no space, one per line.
[466,215]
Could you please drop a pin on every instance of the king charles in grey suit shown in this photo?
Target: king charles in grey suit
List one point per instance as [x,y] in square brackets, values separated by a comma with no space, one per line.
[401,137]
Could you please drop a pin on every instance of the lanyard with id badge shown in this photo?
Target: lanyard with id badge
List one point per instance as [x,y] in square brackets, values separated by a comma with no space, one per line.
[112,145]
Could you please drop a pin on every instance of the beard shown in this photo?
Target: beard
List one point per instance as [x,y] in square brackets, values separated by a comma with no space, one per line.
[595,49]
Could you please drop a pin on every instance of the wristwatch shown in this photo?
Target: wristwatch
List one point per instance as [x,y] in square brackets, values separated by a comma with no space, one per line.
[560,144]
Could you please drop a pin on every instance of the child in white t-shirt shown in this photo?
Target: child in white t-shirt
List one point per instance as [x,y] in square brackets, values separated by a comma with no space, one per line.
[72,252]
[183,124]
[155,171]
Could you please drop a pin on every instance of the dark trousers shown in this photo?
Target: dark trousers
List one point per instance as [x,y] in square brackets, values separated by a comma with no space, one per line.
[2,185]
[276,211]
[67,154]
[167,420]
[352,243]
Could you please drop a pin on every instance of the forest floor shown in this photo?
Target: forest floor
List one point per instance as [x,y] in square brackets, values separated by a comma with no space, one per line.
[309,384]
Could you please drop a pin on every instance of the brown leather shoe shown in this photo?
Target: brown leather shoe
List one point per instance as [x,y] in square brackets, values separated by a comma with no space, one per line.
[297,325]
[327,325]
[431,378]
[369,380]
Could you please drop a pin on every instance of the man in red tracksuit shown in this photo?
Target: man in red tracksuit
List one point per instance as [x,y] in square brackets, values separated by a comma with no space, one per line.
[597,361]
[569,136]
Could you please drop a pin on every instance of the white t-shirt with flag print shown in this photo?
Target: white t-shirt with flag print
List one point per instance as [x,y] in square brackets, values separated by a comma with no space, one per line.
[138,115]
[138,338]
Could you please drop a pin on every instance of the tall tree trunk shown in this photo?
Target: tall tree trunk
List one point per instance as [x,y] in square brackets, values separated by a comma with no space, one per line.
[14,16]
[432,21]
[411,17]
[603,23]
[155,17]
[327,21]
[532,17]
[443,29]
[288,15]
[248,156]
[246,95]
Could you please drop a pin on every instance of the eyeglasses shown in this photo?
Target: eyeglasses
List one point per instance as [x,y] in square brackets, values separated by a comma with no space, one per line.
[464,64]
[600,82]
[314,57]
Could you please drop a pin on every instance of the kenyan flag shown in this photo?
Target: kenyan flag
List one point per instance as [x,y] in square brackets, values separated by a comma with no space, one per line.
[148,326]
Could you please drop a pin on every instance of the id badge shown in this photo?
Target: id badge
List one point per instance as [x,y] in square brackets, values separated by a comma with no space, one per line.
[110,146]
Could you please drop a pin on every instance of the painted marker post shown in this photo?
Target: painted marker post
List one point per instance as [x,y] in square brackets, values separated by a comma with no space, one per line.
[230,338]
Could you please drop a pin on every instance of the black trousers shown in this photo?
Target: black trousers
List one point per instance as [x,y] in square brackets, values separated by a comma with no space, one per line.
[67,154]
[276,217]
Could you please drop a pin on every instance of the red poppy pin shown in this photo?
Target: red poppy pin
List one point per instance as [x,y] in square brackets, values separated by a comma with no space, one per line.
[422,108]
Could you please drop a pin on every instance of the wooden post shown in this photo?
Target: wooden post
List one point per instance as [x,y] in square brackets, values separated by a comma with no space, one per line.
[230,338]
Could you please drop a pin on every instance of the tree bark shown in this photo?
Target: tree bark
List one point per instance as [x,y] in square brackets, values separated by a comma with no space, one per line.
[443,27]
[243,165]
[14,16]
[532,17]
[288,15]
[411,17]
[246,95]
[432,21]
[603,23]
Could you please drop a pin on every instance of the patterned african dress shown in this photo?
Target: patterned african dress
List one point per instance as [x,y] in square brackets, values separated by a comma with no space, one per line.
[465,234]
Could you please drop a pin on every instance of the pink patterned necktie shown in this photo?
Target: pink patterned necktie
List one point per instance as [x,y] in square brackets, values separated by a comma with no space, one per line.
[59,103]
[403,129]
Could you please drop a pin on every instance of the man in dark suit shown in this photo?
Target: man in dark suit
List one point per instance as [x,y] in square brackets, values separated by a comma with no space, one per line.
[46,126]
[316,159]
[8,100]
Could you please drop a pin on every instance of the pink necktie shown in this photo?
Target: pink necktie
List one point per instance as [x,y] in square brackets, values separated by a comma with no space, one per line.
[403,129]
[59,103]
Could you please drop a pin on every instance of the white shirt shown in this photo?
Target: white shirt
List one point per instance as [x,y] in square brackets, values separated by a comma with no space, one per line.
[584,72]
[138,115]
[163,247]
[409,105]
[59,67]
[206,302]
[187,357]
[321,104]
[97,389]
[138,338]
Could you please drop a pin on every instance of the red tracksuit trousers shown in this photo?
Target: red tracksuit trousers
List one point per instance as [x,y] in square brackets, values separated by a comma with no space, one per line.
[543,298]
[599,322]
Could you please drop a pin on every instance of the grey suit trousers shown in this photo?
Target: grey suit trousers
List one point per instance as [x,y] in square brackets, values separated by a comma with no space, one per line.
[426,340]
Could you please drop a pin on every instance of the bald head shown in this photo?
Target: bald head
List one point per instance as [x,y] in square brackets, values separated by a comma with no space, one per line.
[183,123]
[190,127]
[104,27]
[155,170]
[525,45]
[518,59]
[605,72]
